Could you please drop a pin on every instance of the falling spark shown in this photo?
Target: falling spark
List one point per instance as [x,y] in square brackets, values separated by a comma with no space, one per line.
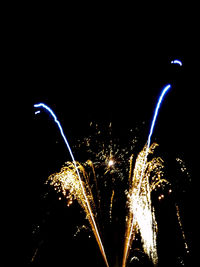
[111,205]
[140,206]
[79,229]
[182,230]
[79,186]
[34,255]
[130,170]
[183,168]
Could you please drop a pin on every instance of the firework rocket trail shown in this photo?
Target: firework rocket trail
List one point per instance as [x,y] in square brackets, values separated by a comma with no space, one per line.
[111,204]
[136,202]
[88,207]
[176,61]
[181,227]
[164,91]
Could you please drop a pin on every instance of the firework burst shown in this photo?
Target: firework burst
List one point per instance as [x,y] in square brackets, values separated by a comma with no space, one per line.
[68,182]
[141,214]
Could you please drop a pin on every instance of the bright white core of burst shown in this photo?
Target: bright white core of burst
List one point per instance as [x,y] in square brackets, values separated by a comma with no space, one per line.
[111,163]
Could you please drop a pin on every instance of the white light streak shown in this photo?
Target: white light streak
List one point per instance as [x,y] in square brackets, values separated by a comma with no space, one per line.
[177,62]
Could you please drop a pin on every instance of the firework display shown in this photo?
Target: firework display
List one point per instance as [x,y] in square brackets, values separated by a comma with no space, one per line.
[106,165]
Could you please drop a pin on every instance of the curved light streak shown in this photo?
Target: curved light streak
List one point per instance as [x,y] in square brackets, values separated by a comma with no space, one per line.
[42,105]
[176,61]
[163,93]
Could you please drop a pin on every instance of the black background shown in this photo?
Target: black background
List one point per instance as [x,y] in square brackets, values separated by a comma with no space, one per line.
[85,73]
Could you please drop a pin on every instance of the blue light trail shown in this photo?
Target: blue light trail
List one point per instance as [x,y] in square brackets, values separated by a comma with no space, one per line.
[163,93]
[42,105]
[177,62]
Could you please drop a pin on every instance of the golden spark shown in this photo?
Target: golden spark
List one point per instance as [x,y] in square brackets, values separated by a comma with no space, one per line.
[68,182]
[141,215]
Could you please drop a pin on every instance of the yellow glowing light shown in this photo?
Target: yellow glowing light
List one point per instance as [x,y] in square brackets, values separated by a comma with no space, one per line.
[181,227]
[68,182]
[111,204]
[144,177]
[111,163]
[147,175]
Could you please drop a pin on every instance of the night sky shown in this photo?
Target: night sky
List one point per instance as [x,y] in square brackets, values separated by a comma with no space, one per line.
[104,79]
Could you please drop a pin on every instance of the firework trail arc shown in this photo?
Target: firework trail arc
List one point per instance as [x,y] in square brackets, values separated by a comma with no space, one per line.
[176,61]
